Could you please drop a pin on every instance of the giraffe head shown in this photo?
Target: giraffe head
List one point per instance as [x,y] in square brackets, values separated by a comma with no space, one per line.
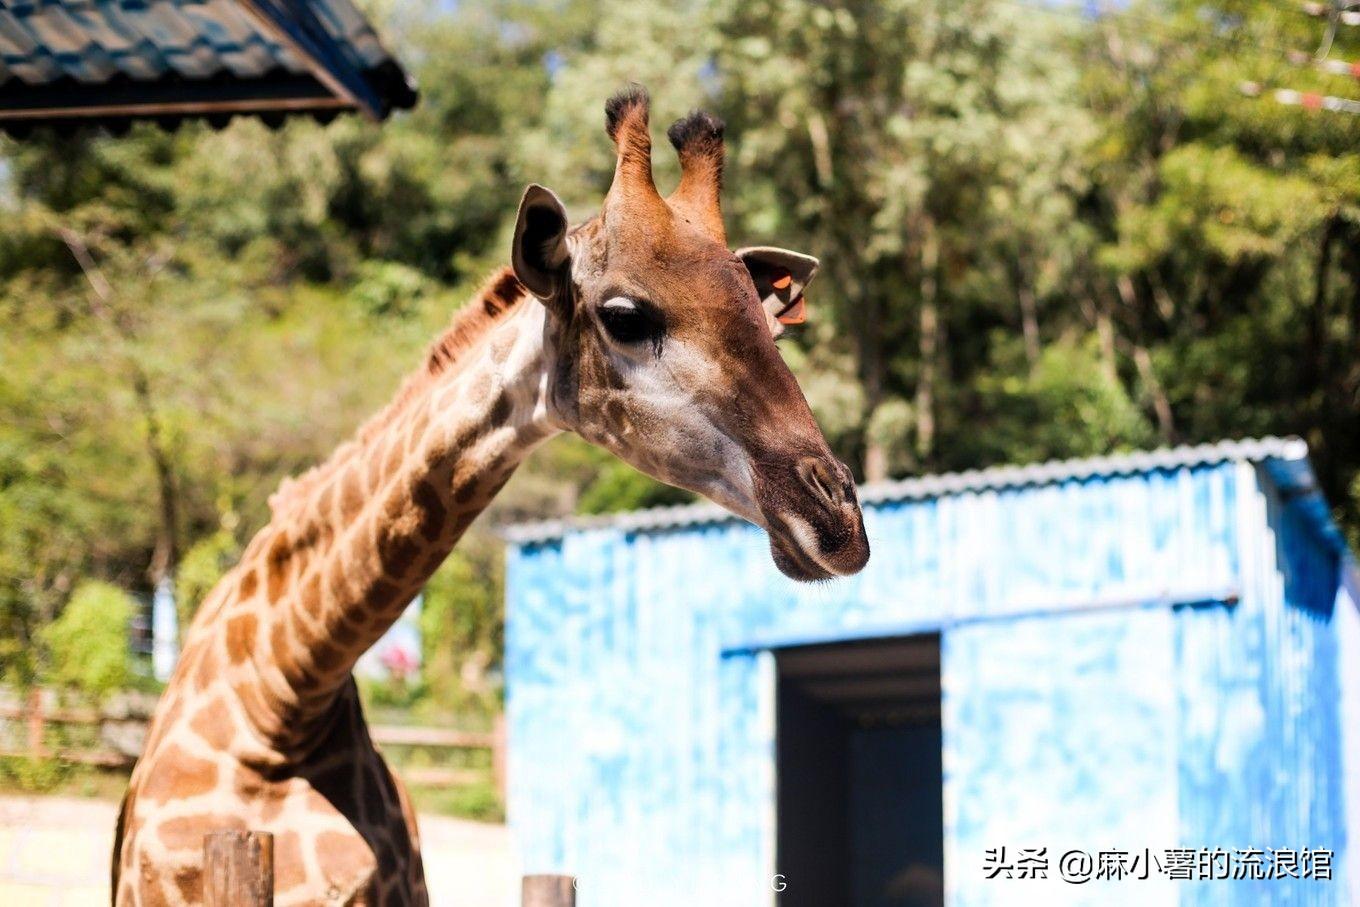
[660,343]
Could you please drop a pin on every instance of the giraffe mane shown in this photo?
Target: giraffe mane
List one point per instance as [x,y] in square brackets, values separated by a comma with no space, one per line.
[499,294]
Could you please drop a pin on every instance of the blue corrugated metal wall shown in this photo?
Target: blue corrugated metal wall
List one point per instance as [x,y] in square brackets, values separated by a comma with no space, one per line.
[1048,744]
[1098,692]
[1260,740]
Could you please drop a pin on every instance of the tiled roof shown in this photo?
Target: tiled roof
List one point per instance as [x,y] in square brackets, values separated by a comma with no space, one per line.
[1284,450]
[65,62]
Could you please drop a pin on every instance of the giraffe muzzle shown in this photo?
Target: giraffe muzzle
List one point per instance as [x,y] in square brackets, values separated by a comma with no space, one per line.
[814,520]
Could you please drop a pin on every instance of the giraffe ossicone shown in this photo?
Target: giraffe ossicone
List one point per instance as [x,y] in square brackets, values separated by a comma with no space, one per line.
[640,331]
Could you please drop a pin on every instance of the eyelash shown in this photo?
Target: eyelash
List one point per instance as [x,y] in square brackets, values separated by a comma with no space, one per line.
[631,325]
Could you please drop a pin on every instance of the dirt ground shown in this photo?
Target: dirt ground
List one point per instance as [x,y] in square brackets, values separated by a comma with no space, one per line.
[54,852]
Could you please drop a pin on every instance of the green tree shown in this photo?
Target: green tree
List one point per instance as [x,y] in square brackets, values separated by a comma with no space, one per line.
[87,644]
[1226,271]
[906,143]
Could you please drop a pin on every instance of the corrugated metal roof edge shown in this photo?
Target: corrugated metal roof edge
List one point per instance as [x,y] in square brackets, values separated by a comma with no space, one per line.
[1253,450]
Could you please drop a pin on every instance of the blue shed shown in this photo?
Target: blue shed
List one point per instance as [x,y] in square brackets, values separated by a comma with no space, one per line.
[1140,669]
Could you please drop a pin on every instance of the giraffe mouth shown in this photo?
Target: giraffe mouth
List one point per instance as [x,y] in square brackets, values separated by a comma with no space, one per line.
[794,564]
[807,552]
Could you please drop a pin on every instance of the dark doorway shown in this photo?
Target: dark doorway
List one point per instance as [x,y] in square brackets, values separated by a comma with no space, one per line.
[860,792]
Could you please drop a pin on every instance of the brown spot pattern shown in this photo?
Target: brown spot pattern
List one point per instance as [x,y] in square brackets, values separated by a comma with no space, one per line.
[327,657]
[241,631]
[383,595]
[309,598]
[213,724]
[432,511]
[351,496]
[289,869]
[189,881]
[249,582]
[500,410]
[177,775]
[466,491]
[276,565]
[344,858]
[186,832]
[397,552]
[344,634]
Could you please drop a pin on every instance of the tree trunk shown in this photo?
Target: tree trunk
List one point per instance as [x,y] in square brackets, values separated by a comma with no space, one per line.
[1315,353]
[1353,262]
[1161,404]
[1029,321]
[929,343]
[872,368]
[1142,360]
[165,556]
[1350,364]
[871,374]
[1105,328]
[166,553]
[875,459]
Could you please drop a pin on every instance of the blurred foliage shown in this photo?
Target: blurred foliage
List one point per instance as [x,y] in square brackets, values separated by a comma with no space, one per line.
[34,774]
[469,801]
[56,776]
[462,625]
[199,570]
[1068,400]
[1044,233]
[88,642]
[391,698]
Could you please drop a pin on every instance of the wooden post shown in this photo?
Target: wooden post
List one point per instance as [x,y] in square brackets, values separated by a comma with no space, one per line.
[548,891]
[498,748]
[238,869]
[36,723]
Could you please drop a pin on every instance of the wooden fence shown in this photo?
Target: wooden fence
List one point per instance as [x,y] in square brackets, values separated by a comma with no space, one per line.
[109,737]
[239,872]
[112,737]
[393,735]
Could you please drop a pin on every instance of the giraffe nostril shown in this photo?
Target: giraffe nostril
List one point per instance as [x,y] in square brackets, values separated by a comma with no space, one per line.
[820,480]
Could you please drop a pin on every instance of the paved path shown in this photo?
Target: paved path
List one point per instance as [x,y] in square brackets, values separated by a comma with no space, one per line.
[54,852]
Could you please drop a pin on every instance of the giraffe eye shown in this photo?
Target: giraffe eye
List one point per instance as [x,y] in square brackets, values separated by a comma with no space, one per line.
[629,322]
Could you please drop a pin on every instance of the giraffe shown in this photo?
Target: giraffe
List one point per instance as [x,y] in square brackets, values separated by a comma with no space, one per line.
[637,329]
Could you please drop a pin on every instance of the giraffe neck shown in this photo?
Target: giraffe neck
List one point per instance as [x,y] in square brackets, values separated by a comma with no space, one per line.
[351,544]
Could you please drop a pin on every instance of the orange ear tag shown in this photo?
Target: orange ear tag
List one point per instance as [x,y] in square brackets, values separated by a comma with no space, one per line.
[794,314]
[783,281]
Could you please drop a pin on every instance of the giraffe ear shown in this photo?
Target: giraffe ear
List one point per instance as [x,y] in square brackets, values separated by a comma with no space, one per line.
[780,277]
[539,255]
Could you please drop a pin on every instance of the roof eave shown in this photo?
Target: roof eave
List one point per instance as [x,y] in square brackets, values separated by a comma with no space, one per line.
[77,102]
[295,26]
